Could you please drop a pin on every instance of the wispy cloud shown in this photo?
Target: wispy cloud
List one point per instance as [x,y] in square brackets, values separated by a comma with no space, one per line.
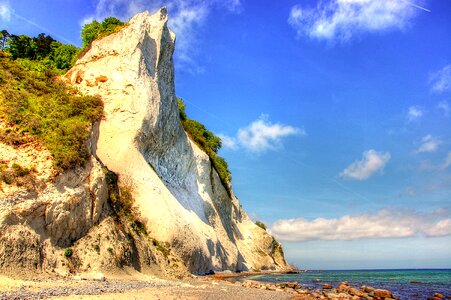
[261,135]
[385,223]
[441,80]
[429,166]
[444,107]
[343,19]
[5,11]
[414,113]
[185,19]
[447,162]
[429,144]
[371,163]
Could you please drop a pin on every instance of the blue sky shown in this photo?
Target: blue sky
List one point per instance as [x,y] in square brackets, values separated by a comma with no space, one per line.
[335,115]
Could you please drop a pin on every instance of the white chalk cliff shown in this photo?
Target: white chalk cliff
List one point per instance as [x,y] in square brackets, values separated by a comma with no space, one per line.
[177,192]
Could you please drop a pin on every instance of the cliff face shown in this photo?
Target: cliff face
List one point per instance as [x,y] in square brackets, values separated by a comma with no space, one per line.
[179,196]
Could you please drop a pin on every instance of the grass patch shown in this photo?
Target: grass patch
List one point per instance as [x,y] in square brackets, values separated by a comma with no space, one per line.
[32,101]
[208,142]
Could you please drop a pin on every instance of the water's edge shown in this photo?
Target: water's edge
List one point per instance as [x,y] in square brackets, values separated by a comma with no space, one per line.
[406,284]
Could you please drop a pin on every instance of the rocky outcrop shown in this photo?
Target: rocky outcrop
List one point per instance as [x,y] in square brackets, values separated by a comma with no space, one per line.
[176,189]
[191,221]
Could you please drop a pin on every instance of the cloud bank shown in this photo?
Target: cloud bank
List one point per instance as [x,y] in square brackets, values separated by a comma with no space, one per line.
[185,18]
[385,223]
[371,163]
[441,80]
[343,19]
[261,136]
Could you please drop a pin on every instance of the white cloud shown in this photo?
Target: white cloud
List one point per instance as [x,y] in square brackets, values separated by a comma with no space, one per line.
[185,18]
[228,142]
[371,162]
[414,113]
[260,136]
[386,223]
[5,12]
[444,106]
[342,19]
[429,144]
[441,80]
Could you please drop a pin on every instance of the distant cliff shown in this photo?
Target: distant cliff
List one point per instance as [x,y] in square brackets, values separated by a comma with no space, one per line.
[149,197]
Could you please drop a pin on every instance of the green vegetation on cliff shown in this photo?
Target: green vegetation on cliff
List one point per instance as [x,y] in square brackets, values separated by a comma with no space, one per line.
[33,101]
[96,30]
[208,142]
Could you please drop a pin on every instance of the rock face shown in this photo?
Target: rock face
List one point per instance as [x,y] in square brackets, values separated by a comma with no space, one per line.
[192,222]
[178,193]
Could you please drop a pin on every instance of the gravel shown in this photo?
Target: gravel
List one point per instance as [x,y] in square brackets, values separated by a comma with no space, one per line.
[85,288]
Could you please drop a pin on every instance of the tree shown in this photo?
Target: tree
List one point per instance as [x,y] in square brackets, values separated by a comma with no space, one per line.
[4,37]
[43,45]
[21,46]
[63,55]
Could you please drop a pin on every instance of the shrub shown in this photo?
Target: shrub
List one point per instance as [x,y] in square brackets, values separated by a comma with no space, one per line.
[20,171]
[68,252]
[261,225]
[208,142]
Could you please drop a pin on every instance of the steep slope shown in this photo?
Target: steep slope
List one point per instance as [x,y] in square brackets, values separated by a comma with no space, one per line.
[177,191]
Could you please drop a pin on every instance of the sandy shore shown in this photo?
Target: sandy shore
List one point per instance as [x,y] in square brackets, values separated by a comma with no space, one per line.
[131,287]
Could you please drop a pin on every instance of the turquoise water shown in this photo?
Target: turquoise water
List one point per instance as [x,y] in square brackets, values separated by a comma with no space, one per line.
[406,284]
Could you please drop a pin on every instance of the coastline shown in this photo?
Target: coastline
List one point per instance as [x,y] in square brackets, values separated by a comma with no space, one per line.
[228,286]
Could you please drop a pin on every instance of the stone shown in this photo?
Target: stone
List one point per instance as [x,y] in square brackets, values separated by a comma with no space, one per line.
[327,286]
[381,293]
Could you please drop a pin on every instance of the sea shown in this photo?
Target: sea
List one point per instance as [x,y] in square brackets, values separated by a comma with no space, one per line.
[405,284]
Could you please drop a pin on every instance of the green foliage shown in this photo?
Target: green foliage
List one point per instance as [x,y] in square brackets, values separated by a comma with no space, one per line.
[68,252]
[32,101]
[96,30]
[20,171]
[261,225]
[21,46]
[13,174]
[208,142]
[42,46]
[64,55]
[43,50]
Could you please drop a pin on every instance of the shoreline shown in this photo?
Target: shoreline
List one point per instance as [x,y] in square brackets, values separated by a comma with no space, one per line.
[227,286]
